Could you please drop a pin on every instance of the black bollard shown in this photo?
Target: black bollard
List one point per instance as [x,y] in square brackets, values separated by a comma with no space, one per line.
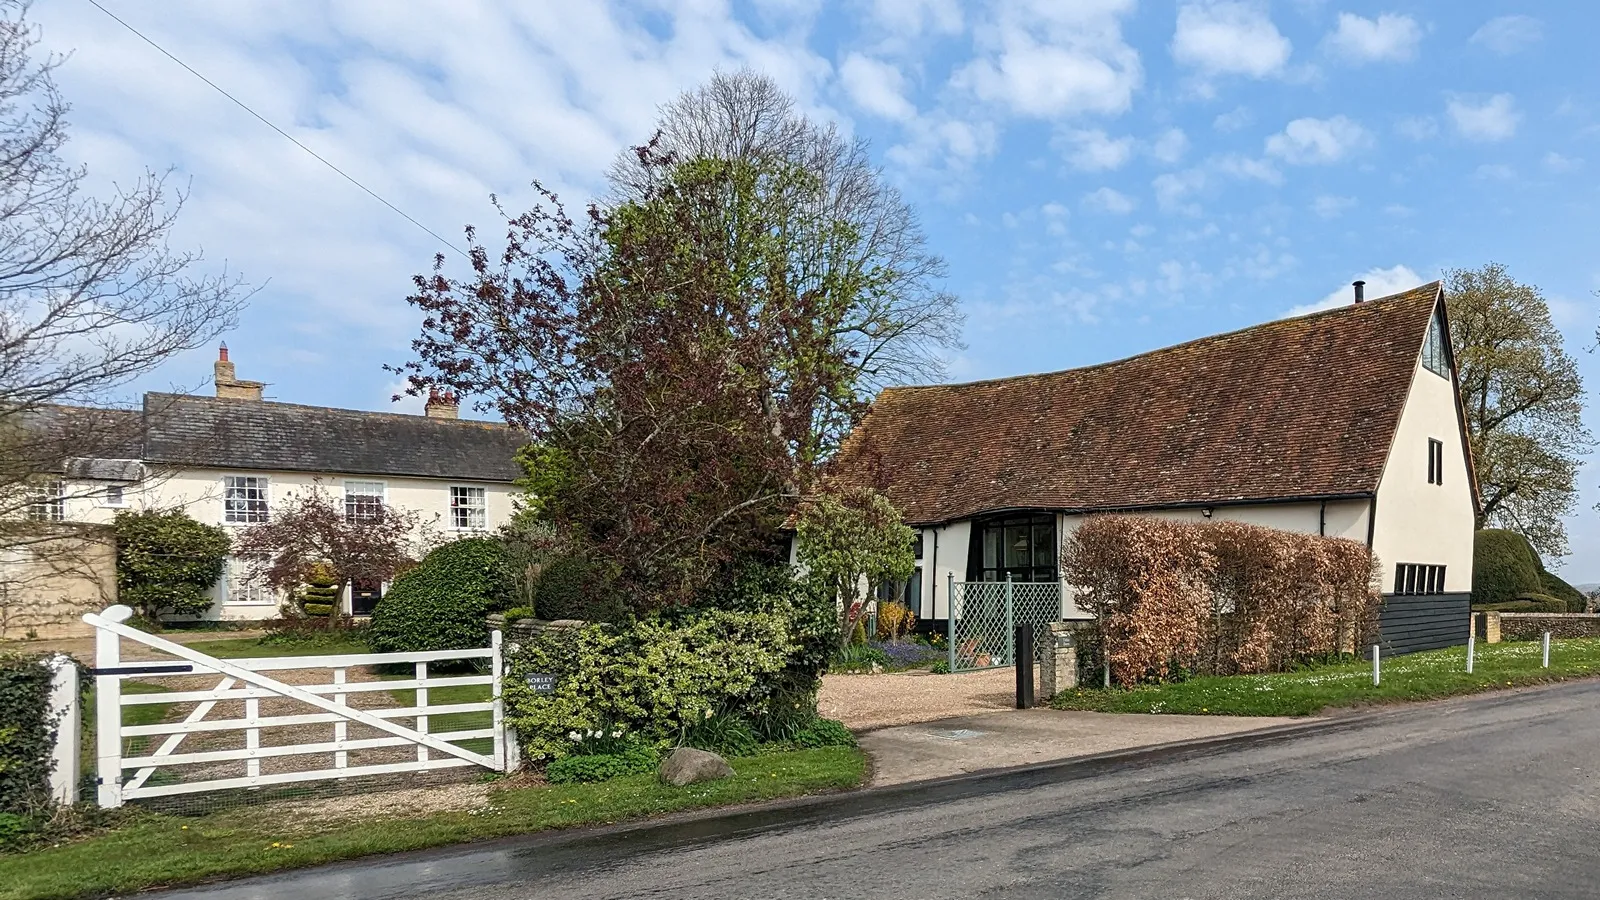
[1023,651]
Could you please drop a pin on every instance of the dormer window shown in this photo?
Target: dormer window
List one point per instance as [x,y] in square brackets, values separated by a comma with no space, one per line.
[1436,351]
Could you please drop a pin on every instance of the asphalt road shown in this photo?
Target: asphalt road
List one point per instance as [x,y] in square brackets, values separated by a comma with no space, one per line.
[1488,797]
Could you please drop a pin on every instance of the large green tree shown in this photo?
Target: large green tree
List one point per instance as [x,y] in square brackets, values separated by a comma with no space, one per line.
[688,353]
[1523,398]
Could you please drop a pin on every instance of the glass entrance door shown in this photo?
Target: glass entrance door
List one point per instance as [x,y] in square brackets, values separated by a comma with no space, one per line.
[1022,546]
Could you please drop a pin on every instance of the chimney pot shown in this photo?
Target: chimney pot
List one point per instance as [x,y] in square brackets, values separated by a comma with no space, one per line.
[226,380]
[1361,290]
[442,404]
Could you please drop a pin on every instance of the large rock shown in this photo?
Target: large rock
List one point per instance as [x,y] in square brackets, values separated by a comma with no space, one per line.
[687,765]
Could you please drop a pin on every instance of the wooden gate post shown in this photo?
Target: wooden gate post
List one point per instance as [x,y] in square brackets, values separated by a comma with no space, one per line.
[108,710]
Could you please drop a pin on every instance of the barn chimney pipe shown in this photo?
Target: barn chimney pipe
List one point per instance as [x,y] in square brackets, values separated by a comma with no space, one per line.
[1361,290]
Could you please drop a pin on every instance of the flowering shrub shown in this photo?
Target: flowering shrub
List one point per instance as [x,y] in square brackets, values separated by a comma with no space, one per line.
[1217,597]
[894,620]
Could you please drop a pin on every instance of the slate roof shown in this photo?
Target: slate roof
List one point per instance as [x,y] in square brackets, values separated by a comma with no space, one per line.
[220,433]
[1297,408]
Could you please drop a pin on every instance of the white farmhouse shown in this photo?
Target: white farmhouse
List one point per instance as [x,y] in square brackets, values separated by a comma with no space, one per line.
[1345,423]
[231,459]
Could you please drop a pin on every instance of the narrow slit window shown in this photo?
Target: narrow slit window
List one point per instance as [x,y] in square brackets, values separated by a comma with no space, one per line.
[1419,579]
[1435,461]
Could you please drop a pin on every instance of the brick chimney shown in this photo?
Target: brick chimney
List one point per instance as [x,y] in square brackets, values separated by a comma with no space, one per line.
[442,405]
[228,386]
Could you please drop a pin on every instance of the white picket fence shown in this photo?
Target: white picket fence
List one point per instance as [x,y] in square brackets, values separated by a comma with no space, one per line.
[244,684]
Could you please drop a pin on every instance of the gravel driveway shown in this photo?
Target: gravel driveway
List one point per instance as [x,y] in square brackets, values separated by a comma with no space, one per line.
[867,702]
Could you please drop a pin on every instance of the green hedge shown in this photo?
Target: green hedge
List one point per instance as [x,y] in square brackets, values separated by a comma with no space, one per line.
[657,678]
[441,604]
[1526,603]
[27,734]
[1503,566]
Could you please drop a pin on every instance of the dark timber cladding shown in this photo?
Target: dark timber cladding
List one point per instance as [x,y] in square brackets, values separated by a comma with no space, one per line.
[1410,623]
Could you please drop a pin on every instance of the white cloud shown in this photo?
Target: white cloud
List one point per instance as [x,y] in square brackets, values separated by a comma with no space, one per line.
[1109,200]
[1229,37]
[1050,60]
[1555,162]
[1234,120]
[1484,119]
[1248,168]
[1417,128]
[410,101]
[1508,34]
[943,144]
[1092,150]
[1170,146]
[1389,37]
[1380,283]
[1318,141]
[1055,219]
[1174,190]
[407,404]
[876,86]
[1329,206]
[914,17]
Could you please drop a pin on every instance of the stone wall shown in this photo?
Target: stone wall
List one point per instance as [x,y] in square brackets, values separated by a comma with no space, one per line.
[1530,626]
[50,578]
[525,629]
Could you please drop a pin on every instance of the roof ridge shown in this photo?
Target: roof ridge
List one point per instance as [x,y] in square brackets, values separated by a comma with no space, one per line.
[1203,339]
[409,417]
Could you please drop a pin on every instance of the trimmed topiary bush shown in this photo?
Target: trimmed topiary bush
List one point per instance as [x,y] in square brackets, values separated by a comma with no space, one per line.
[441,603]
[1504,565]
[321,591]
[1552,584]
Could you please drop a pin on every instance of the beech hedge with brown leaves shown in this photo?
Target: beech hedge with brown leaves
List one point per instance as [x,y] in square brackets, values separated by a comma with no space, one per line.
[1221,598]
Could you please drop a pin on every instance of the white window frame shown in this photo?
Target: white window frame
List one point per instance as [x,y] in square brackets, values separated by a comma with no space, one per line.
[481,508]
[47,501]
[349,495]
[237,584]
[266,500]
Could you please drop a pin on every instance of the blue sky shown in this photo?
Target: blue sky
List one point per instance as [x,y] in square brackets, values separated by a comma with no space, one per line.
[1103,176]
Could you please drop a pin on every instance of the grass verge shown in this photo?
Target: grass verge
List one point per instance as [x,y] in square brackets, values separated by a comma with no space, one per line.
[1417,676]
[158,850]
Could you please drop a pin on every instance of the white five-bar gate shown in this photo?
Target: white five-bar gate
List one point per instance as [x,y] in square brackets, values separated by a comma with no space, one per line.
[245,684]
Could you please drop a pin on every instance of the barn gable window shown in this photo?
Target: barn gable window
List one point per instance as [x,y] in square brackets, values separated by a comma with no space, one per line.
[1436,350]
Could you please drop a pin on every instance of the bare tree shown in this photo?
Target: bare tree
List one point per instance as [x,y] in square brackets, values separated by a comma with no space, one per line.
[902,329]
[91,295]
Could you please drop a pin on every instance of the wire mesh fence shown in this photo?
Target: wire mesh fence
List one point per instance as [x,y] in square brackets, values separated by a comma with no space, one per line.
[984,616]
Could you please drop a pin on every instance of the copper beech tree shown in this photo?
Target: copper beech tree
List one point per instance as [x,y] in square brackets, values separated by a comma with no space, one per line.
[687,354]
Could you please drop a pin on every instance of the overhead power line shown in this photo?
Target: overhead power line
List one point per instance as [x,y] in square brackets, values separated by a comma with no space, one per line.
[214,86]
